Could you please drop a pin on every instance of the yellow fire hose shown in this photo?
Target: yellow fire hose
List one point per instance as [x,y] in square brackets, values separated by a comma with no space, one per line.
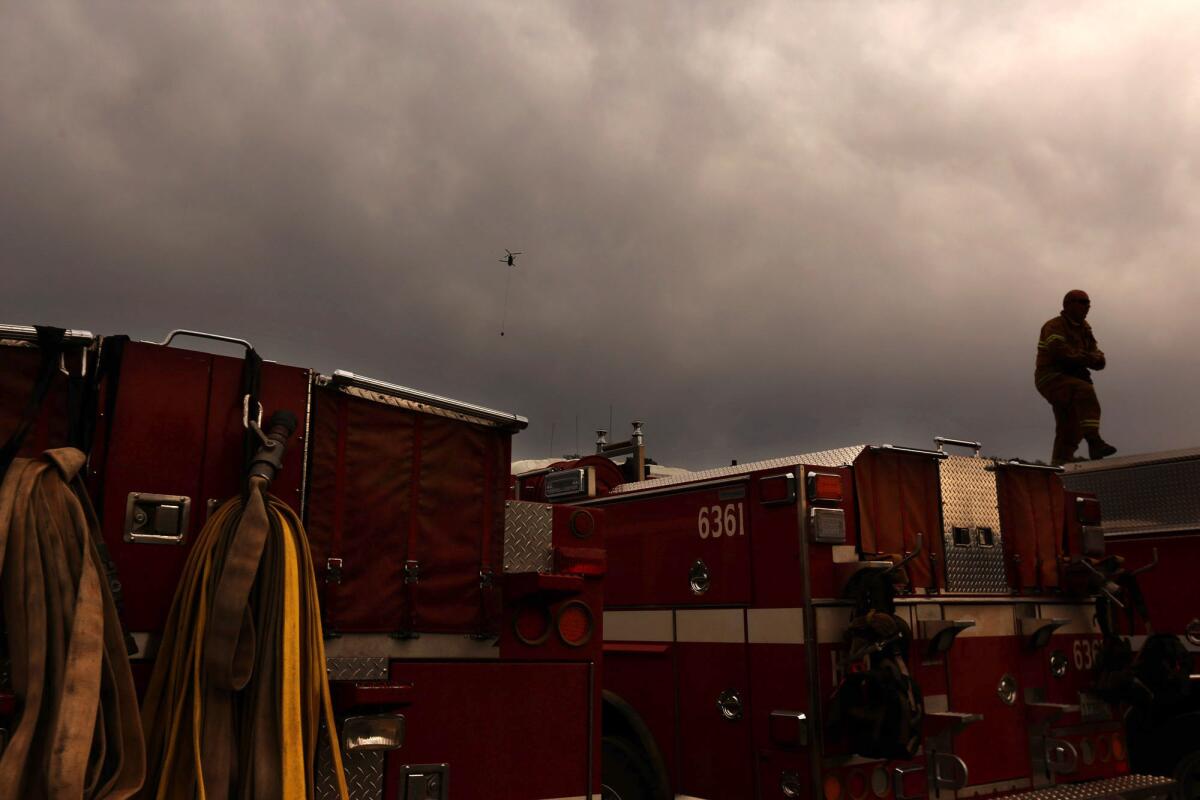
[239,688]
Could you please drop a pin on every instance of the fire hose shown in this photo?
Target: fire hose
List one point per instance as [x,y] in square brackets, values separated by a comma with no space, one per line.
[234,706]
[77,734]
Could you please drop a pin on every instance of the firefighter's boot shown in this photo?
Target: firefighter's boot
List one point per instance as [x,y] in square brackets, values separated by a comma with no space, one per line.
[1098,449]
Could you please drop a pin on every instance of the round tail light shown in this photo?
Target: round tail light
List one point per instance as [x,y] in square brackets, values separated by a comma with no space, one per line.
[856,785]
[832,788]
[531,625]
[582,524]
[575,623]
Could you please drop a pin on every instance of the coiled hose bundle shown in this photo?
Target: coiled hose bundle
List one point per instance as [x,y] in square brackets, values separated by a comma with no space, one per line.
[234,706]
[77,732]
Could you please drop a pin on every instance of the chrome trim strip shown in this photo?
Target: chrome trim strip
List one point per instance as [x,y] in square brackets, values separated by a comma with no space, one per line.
[344,378]
[28,333]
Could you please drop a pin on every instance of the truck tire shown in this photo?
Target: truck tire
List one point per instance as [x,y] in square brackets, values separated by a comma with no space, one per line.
[1187,777]
[626,773]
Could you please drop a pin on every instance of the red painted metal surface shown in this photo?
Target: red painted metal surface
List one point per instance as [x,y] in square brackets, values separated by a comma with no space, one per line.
[177,430]
[509,731]
[991,747]
[653,543]
[1171,589]
[351,695]
[779,677]
[643,675]
[709,756]
[518,726]
[18,373]
[772,766]
[716,753]
[775,550]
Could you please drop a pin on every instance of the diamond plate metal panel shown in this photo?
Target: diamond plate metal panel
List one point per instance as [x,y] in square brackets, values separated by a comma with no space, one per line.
[842,456]
[357,668]
[969,501]
[1126,786]
[364,771]
[364,774]
[1144,498]
[528,532]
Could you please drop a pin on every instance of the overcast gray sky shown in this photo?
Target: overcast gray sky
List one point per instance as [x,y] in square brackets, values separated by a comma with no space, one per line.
[760,227]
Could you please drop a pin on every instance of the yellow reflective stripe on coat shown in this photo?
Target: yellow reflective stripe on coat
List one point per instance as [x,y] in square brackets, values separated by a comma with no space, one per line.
[1046,377]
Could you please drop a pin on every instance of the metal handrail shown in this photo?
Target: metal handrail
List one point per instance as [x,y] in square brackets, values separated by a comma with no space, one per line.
[28,333]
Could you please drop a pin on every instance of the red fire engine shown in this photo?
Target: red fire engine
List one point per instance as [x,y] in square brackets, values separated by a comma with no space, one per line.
[866,623]
[460,627]
[1151,508]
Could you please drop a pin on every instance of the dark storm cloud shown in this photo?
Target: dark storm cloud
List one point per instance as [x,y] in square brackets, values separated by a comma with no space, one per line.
[761,228]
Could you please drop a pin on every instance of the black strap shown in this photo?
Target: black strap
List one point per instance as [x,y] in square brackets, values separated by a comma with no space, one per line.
[104,375]
[51,343]
[251,384]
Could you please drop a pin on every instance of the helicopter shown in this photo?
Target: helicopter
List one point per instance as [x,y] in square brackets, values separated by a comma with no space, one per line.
[509,259]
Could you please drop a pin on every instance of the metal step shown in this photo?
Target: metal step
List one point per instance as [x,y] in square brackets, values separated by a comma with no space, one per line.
[1128,787]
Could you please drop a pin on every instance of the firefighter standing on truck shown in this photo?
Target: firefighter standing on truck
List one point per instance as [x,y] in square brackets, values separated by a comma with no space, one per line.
[1066,353]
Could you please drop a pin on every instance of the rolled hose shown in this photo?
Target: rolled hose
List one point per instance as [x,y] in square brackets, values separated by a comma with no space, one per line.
[239,688]
[77,734]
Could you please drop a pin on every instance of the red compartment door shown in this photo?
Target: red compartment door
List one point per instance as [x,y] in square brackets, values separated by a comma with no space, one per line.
[177,429]
[508,731]
[392,485]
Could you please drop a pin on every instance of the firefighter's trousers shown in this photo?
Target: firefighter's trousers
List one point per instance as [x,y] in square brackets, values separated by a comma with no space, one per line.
[1076,413]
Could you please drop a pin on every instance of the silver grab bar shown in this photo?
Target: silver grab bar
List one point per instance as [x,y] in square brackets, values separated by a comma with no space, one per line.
[202,335]
[942,441]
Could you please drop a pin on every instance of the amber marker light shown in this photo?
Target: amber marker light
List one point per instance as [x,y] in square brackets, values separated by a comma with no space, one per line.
[832,788]
[825,487]
[575,623]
